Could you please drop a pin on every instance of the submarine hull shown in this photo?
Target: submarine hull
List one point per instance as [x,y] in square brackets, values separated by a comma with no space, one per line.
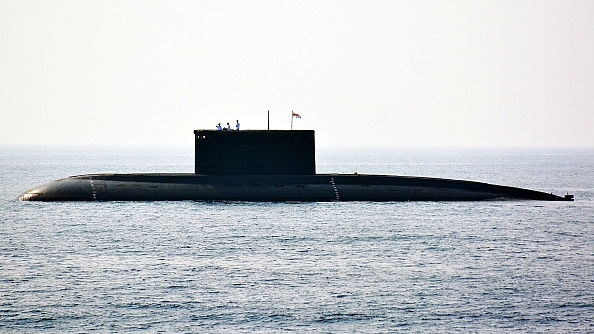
[274,188]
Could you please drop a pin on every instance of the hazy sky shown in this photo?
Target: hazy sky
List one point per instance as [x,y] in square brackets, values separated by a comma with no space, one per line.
[378,73]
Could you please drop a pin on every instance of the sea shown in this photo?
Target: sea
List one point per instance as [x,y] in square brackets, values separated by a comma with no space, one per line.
[505,266]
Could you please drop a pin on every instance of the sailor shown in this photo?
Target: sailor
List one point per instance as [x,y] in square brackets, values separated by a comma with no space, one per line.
[228,127]
[219,128]
[237,125]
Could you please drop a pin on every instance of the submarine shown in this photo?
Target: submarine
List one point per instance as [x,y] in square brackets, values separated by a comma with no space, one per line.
[268,166]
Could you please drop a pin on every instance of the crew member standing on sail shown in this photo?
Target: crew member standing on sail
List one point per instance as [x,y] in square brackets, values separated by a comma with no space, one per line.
[237,125]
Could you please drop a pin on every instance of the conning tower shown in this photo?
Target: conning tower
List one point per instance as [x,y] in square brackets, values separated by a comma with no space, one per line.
[255,152]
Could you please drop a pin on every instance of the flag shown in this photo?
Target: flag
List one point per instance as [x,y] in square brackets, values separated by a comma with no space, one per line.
[296,114]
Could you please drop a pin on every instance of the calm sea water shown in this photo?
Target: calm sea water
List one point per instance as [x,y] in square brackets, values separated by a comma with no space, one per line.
[500,266]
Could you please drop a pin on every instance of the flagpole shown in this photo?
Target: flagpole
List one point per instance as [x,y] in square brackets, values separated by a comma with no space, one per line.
[291,119]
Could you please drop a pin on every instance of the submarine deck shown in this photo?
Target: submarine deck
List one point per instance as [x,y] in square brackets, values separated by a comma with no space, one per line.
[274,188]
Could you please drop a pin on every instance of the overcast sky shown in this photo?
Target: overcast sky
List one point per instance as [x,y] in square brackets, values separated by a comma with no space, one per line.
[377,73]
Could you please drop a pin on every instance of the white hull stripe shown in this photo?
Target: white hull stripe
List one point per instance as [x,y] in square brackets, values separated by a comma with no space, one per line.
[335,189]
[93,191]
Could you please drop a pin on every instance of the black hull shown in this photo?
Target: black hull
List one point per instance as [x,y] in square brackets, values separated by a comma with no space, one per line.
[276,188]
